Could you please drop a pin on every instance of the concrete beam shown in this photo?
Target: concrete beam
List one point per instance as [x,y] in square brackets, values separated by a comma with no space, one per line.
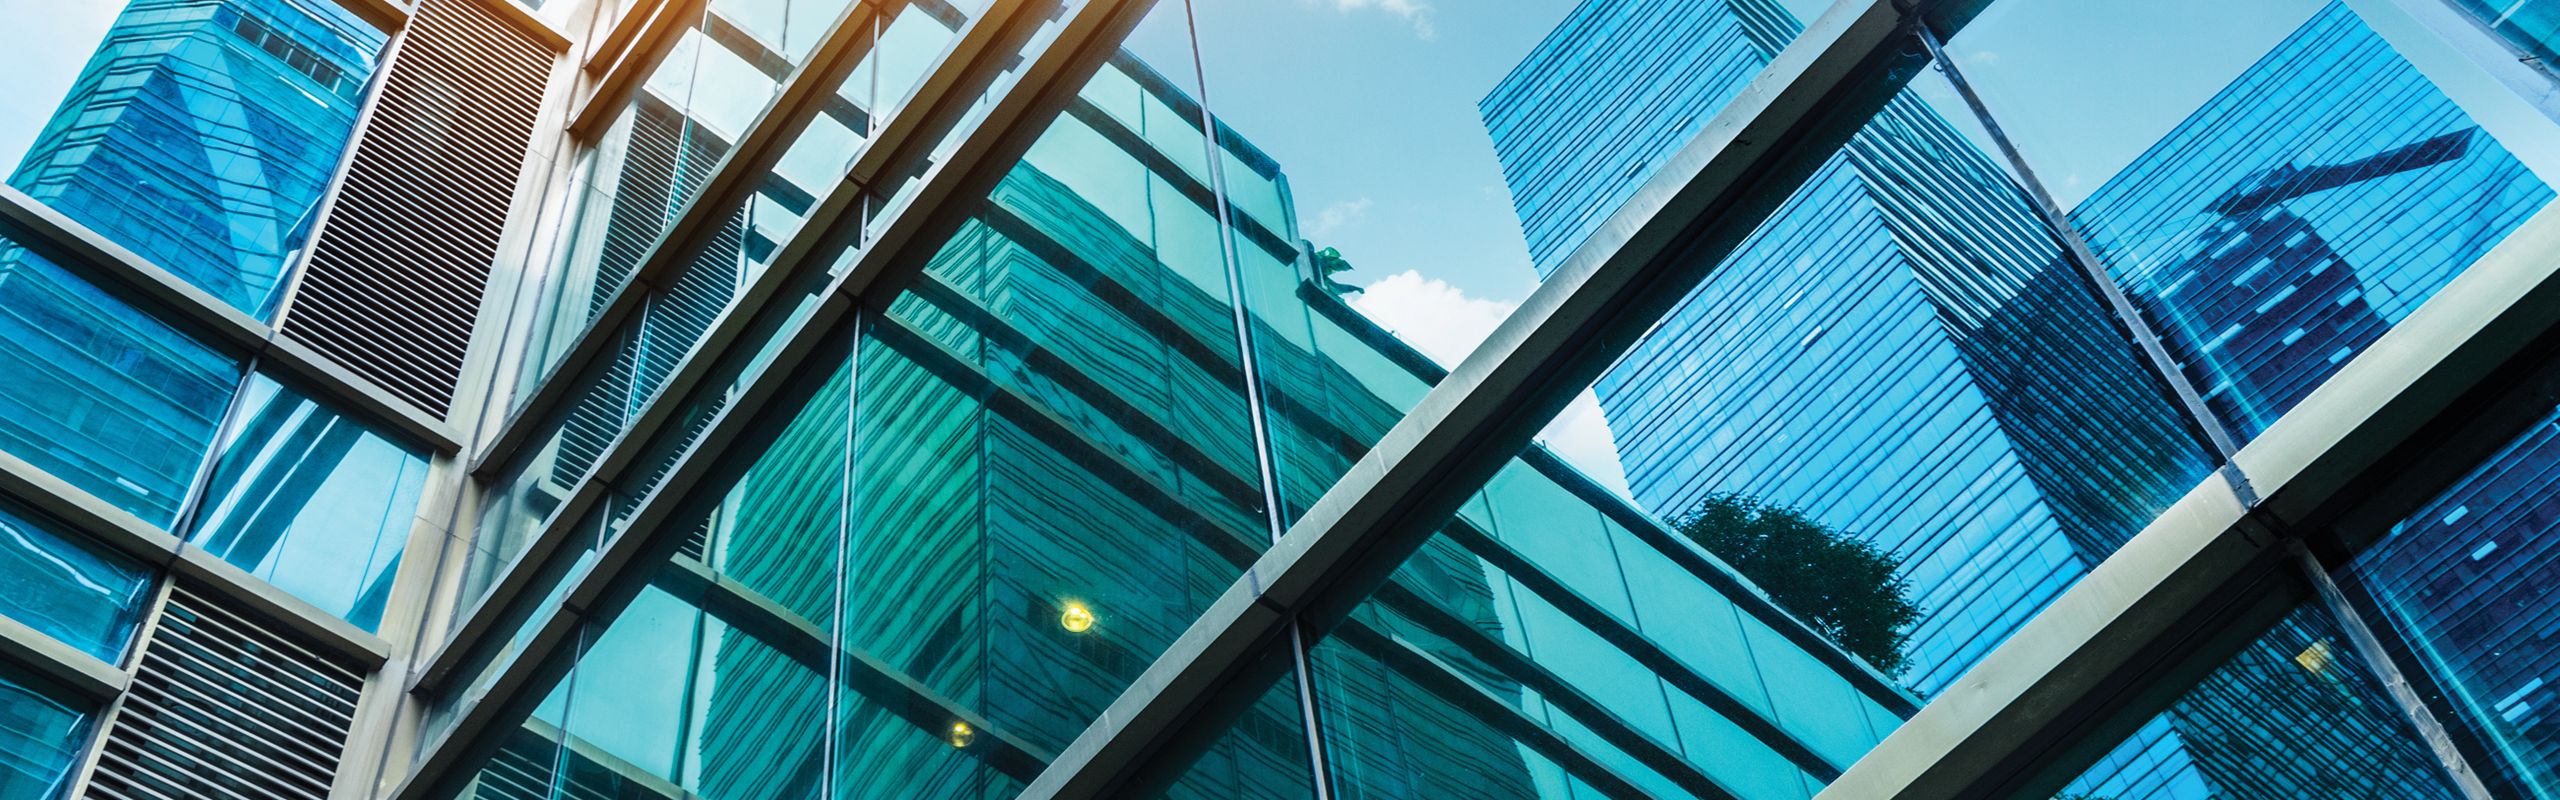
[2336,471]
[1698,208]
[133,279]
[989,147]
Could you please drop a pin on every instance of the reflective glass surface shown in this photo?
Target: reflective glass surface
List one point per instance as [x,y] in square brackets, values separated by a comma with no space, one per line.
[2274,203]
[200,134]
[2293,714]
[102,395]
[2532,26]
[1261,756]
[317,504]
[62,585]
[2465,583]
[42,733]
[645,171]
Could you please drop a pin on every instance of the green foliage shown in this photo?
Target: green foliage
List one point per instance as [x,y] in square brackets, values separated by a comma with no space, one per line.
[1841,585]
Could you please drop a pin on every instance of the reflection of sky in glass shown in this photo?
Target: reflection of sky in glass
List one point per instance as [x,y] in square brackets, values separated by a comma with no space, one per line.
[47,42]
[2039,65]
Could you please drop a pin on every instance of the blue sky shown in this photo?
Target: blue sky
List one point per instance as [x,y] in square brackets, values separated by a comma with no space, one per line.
[41,50]
[1370,108]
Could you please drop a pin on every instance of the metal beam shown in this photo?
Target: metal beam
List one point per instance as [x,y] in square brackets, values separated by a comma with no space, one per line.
[666,25]
[988,148]
[119,530]
[732,182]
[625,30]
[798,264]
[515,14]
[1697,208]
[129,277]
[2333,471]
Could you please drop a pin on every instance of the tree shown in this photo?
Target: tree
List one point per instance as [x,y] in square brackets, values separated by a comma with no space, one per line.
[1842,586]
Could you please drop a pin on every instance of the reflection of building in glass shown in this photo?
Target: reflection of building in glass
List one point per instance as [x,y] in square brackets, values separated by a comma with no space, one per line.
[2288,222]
[2276,233]
[2468,582]
[1043,474]
[203,132]
[1899,352]
[101,395]
[1903,352]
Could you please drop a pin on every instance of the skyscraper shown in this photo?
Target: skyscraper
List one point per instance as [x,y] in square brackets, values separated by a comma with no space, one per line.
[764,399]
[1908,338]
[203,132]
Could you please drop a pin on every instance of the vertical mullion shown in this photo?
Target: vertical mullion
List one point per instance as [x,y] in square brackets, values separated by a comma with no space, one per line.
[2368,649]
[1266,463]
[845,497]
[225,429]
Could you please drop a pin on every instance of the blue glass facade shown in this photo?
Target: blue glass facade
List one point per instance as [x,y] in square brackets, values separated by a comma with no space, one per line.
[201,137]
[1900,352]
[1904,353]
[106,397]
[2290,221]
[202,134]
[43,730]
[1028,474]
[53,580]
[312,502]
[2467,583]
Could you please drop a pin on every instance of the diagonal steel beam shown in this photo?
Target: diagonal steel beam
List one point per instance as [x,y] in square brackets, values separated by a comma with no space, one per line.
[1001,132]
[803,94]
[665,25]
[1698,208]
[2362,451]
[835,220]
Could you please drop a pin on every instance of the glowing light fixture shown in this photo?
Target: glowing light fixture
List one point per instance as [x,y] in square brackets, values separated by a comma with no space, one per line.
[961,735]
[1076,618]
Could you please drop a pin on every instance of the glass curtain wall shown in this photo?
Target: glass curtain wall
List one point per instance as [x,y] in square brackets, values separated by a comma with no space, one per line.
[1040,462]
[200,136]
[1975,352]
[202,133]
[634,183]
[1938,345]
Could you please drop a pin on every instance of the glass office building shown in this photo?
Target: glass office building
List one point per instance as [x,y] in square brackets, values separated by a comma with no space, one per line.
[1951,384]
[749,399]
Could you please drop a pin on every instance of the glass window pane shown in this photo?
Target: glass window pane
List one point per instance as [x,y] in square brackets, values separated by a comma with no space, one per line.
[103,396]
[2466,584]
[1261,756]
[200,135]
[2273,184]
[42,733]
[317,504]
[57,582]
[2293,714]
[2532,26]
[1053,464]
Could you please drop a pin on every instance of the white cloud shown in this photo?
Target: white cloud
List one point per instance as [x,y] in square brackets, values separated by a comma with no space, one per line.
[1335,216]
[1417,13]
[1983,59]
[1444,323]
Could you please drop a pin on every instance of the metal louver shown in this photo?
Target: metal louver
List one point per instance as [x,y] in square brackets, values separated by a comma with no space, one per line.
[396,279]
[226,704]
